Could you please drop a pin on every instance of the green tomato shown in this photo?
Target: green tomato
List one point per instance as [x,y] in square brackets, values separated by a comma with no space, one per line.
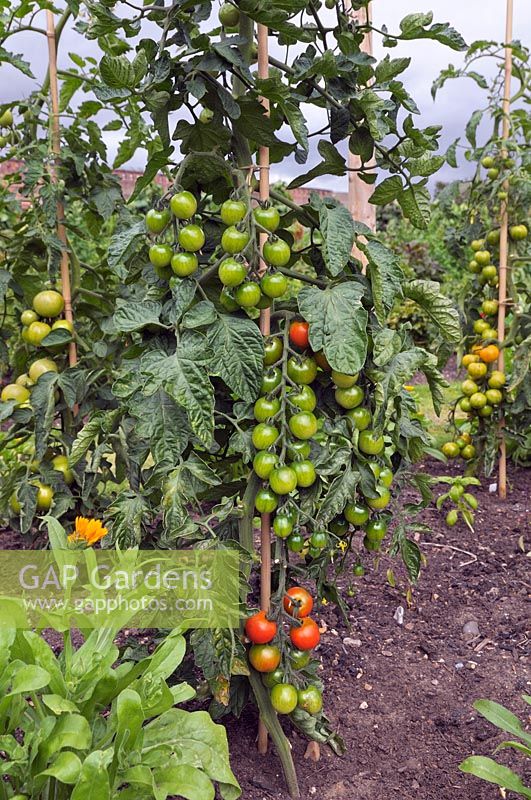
[358,570]
[468,452]
[303,399]
[270,380]
[265,501]
[478,400]
[488,162]
[16,392]
[264,435]
[310,699]
[191,238]
[349,398]
[376,529]
[298,450]
[302,370]
[343,381]
[206,116]
[386,477]
[232,272]
[360,417]
[469,387]
[494,397]
[247,294]
[383,499]
[274,284]
[60,463]
[299,658]
[6,118]
[450,449]
[486,410]
[233,211]
[41,366]
[267,217]
[303,425]
[276,252]
[264,463]
[229,15]
[44,496]
[183,206]
[284,698]
[264,408]
[339,526]
[283,480]
[319,539]
[369,443]
[372,545]
[184,264]
[273,349]
[518,232]
[482,257]
[37,331]
[156,220]
[160,255]
[295,542]
[282,526]
[270,679]
[227,301]
[233,240]
[356,514]
[48,303]
[493,237]
[305,472]
[28,316]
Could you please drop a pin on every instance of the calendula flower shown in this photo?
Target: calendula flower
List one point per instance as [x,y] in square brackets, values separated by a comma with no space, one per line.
[87,532]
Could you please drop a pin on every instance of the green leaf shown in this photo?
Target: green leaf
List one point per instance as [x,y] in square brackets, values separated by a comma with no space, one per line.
[100,422]
[387,191]
[386,344]
[59,336]
[70,730]
[16,61]
[59,705]
[411,556]
[488,770]
[361,143]
[415,202]
[65,768]
[135,315]
[437,306]
[237,354]
[414,26]
[27,678]
[385,275]
[164,424]
[182,375]
[338,324]
[425,166]
[337,228]
[129,233]
[157,161]
[117,72]
[389,68]
[502,718]
[68,88]
[333,164]
[472,126]
[341,491]
[43,404]
[451,154]
[93,782]
[128,515]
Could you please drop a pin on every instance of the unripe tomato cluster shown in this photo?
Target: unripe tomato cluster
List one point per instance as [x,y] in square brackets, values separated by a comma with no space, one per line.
[37,323]
[244,283]
[289,426]
[282,658]
[464,502]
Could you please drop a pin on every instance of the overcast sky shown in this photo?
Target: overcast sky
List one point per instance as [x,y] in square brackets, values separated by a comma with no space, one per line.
[475,19]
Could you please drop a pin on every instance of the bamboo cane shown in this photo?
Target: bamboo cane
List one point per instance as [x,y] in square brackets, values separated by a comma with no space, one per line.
[56,148]
[265,327]
[504,231]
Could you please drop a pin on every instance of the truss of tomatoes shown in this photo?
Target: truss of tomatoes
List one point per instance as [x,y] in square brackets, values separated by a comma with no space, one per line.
[179,239]
[286,424]
[281,659]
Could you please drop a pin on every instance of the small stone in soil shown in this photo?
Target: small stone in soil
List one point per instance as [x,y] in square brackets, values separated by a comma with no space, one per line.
[471,628]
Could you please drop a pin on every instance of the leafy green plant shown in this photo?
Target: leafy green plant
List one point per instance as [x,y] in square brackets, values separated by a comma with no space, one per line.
[487,768]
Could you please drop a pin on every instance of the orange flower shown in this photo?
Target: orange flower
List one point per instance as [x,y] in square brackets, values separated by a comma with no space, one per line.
[88,531]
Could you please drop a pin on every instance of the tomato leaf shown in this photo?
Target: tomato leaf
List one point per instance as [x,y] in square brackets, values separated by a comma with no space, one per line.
[437,306]
[237,354]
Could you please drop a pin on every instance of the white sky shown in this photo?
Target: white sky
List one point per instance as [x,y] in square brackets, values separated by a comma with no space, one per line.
[474,19]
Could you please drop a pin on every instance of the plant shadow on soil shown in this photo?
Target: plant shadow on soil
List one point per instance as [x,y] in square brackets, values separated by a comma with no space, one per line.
[394,693]
[419,723]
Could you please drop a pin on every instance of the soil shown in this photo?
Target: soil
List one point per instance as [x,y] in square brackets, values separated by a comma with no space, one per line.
[401,696]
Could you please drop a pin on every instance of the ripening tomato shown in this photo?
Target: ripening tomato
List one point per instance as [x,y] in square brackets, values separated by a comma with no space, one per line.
[304,399]
[477,370]
[497,380]
[37,331]
[267,217]
[302,370]
[259,629]
[234,240]
[272,351]
[322,361]
[299,334]
[303,425]
[264,657]
[310,699]
[191,238]
[233,211]
[298,602]
[276,252]
[157,220]
[494,396]
[489,354]
[265,501]
[63,324]
[28,316]
[305,472]
[469,358]
[184,264]
[41,366]
[274,284]
[24,380]
[482,257]
[284,698]
[305,636]
[48,303]
[450,449]
[183,205]
[264,435]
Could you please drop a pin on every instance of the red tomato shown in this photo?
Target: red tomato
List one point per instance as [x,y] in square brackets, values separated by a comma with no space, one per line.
[298,334]
[303,602]
[259,629]
[305,636]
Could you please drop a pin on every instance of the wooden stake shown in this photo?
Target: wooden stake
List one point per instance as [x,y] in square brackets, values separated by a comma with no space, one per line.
[504,236]
[359,193]
[56,148]
[265,327]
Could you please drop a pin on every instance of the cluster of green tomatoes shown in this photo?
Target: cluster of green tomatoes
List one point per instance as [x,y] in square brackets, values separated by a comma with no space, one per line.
[288,424]
[37,323]
[245,285]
